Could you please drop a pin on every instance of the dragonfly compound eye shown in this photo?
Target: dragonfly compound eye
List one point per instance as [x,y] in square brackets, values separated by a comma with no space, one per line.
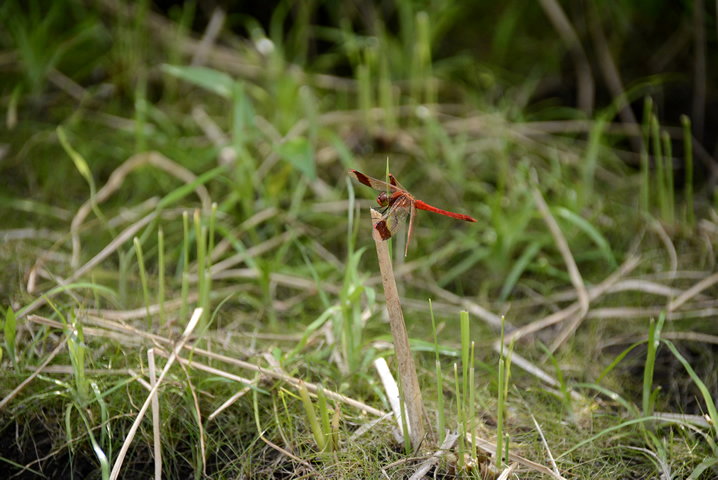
[382,199]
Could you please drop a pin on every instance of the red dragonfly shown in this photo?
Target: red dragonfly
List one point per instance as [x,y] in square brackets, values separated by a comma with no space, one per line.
[398,203]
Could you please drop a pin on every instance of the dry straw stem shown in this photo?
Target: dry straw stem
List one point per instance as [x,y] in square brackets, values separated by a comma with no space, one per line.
[117,179]
[37,372]
[123,237]
[490,447]
[610,72]
[131,334]
[407,371]
[573,272]
[155,414]
[567,312]
[584,77]
[135,426]
[423,469]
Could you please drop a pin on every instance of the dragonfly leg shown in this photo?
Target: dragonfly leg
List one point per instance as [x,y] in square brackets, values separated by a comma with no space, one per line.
[411,228]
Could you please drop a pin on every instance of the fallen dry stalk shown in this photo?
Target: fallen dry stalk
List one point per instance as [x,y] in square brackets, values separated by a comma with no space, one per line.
[413,401]
[37,372]
[568,259]
[140,415]
[134,333]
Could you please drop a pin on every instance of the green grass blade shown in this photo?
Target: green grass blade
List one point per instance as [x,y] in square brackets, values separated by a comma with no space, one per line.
[590,230]
[710,403]
[518,269]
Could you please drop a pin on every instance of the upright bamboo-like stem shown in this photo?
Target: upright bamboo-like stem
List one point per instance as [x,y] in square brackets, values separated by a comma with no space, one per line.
[409,381]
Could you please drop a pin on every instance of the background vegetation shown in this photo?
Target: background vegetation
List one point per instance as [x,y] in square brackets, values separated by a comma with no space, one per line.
[158,157]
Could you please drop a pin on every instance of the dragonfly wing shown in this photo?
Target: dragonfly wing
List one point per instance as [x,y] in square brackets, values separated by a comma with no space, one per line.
[392,220]
[395,182]
[374,183]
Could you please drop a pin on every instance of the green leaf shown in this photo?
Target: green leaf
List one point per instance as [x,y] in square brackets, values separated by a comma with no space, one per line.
[710,404]
[78,159]
[589,230]
[207,78]
[518,269]
[298,152]
[10,329]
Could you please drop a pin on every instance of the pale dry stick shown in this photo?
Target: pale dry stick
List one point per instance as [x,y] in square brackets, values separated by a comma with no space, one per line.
[227,153]
[111,247]
[253,221]
[134,334]
[125,339]
[561,244]
[228,403]
[211,130]
[198,413]
[545,444]
[422,306]
[155,414]
[627,129]
[123,237]
[135,426]
[68,85]
[708,246]
[214,27]
[584,77]
[211,370]
[630,312]
[593,293]
[670,248]
[519,361]
[507,471]
[391,389]
[698,420]
[117,179]
[140,380]
[134,213]
[472,307]
[690,336]
[490,448]
[413,401]
[624,312]
[681,274]
[278,278]
[70,370]
[568,259]
[284,452]
[286,378]
[141,312]
[37,372]
[405,268]
[667,475]
[628,285]
[423,469]
[126,216]
[241,257]
[219,373]
[610,73]
[692,292]
[368,426]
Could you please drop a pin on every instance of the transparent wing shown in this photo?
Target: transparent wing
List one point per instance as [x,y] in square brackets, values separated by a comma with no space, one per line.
[393,219]
[374,183]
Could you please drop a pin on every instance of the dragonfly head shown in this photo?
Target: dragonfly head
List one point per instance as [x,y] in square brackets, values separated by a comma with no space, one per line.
[382,199]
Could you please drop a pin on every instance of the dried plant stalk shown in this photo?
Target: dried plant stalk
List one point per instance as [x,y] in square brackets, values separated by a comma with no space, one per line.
[407,371]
